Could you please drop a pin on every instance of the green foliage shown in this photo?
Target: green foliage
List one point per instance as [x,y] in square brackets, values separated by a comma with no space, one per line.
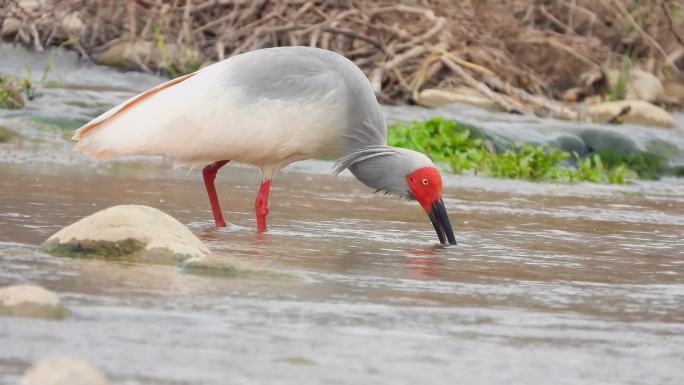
[646,165]
[451,142]
[524,161]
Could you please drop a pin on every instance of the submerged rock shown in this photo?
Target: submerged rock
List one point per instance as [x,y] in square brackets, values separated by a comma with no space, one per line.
[232,267]
[63,371]
[30,301]
[630,111]
[127,232]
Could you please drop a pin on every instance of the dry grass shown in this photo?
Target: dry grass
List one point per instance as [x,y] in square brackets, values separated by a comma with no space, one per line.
[514,49]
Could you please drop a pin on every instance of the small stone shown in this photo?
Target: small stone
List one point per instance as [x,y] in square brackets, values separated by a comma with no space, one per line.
[437,98]
[10,26]
[30,301]
[63,371]
[127,232]
[72,24]
[639,112]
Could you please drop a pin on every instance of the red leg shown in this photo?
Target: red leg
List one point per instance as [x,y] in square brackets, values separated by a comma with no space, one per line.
[209,174]
[261,205]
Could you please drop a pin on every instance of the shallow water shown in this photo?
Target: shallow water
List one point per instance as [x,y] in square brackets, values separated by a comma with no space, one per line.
[551,283]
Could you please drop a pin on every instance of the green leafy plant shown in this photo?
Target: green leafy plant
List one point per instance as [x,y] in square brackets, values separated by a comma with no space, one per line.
[454,143]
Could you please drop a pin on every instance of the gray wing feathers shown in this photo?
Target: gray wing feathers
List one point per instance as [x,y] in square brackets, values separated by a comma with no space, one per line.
[361,155]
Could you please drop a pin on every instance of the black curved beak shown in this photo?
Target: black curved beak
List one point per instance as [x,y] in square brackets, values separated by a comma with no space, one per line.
[440,220]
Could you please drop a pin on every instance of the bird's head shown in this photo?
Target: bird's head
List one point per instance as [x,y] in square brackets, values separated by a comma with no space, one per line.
[404,173]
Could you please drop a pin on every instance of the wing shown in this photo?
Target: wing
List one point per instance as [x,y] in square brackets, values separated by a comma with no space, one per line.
[259,108]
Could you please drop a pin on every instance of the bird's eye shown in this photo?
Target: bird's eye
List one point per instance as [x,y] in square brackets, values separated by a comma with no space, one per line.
[425,181]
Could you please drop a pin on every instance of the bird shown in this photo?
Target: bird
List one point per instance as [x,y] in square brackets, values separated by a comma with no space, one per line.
[269,107]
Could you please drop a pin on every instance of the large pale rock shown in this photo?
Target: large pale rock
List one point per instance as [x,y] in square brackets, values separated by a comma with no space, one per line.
[641,85]
[640,112]
[63,371]
[674,90]
[127,232]
[30,301]
[10,26]
[130,54]
[437,98]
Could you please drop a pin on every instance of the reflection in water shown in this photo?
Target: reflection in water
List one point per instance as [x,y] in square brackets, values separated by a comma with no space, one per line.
[421,262]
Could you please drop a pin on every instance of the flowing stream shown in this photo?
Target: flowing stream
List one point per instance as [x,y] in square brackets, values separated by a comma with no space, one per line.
[550,284]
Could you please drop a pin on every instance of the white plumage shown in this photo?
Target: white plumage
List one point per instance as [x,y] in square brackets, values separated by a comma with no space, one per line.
[199,120]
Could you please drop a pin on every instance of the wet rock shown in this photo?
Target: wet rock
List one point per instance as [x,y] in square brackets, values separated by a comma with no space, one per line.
[30,301]
[599,140]
[662,148]
[63,371]
[569,143]
[127,232]
[437,98]
[232,267]
[630,111]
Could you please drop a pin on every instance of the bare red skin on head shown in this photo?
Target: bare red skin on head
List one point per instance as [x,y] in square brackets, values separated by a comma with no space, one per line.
[426,186]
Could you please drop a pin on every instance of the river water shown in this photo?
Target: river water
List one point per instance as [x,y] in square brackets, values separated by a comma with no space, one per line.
[550,283]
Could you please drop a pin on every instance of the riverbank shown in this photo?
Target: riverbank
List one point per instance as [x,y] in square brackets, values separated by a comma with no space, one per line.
[522,57]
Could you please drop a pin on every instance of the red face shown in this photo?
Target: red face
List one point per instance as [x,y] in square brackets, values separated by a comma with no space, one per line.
[426,186]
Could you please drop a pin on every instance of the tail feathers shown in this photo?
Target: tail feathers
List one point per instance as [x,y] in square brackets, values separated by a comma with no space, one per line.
[118,110]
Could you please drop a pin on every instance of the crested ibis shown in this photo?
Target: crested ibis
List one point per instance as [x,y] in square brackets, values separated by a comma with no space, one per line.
[269,108]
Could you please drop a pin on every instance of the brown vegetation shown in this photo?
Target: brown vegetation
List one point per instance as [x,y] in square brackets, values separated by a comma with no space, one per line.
[516,52]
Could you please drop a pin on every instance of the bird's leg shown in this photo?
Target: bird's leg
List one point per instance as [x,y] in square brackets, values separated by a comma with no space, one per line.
[209,174]
[261,205]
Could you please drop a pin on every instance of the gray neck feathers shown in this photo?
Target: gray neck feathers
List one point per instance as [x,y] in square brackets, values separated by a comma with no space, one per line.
[383,168]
